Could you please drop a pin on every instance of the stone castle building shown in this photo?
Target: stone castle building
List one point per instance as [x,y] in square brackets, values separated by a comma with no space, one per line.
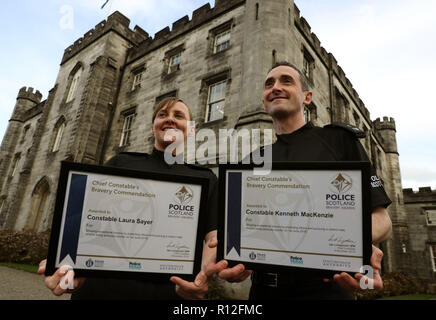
[110,79]
[420,251]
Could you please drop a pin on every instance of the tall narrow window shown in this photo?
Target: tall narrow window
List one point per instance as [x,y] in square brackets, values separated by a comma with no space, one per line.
[308,64]
[174,64]
[15,165]
[58,136]
[136,80]
[222,41]
[433,256]
[127,129]
[216,100]
[73,85]
[25,131]
[274,57]
[257,11]
[430,215]
[38,205]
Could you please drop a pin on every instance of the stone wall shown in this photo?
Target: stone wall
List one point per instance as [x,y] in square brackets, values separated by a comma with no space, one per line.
[420,234]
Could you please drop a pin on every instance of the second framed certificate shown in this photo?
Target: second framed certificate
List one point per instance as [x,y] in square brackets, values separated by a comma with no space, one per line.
[300,215]
[113,222]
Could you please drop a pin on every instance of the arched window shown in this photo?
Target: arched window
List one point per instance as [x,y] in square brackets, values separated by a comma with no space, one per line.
[59,131]
[38,204]
[74,80]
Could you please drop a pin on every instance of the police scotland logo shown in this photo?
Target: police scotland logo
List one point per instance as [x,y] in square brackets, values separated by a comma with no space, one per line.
[340,196]
[182,207]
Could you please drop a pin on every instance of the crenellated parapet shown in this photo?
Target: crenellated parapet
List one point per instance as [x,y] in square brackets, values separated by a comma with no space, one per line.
[386,132]
[116,22]
[328,59]
[425,194]
[28,94]
[183,25]
[386,124]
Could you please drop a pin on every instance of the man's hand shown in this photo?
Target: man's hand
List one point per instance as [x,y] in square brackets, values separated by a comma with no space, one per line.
[352,284]
[235,274]
[54,283]
[200,286]
[197,289]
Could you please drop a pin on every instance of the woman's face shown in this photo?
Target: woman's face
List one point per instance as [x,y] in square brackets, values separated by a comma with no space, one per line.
[170,125]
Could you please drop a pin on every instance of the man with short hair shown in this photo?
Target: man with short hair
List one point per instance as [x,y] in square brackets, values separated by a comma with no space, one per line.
[286,92]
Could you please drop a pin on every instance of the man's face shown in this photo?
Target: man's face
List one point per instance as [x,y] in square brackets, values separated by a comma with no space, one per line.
[170,125]
[283,95]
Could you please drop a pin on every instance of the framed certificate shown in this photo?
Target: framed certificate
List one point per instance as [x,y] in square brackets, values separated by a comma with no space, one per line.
[312,215]
[120,223]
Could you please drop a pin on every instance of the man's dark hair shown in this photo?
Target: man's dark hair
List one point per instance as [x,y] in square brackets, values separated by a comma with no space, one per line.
[305,84]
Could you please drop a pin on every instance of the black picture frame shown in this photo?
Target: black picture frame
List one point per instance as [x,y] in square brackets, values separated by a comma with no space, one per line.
[67,166]
[362,166]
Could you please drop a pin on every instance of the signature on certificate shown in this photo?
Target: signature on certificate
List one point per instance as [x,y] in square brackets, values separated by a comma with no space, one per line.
[176,245]
[340,240]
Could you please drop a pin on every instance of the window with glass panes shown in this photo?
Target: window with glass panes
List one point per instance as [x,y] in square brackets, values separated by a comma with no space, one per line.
[127,128]
[430,214]
[216,100]
[222,41]
[136,80]
[175,62]
[58,138]
[73,85]
[433,256]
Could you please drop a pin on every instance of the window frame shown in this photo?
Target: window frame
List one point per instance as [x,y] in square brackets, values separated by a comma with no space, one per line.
[215,33]
[210,103]
[137,73]
[60,128]
[128,118]
[137,78]
[433,256]
[216,37]
[308,64]
[171,59]
[73,85]
[427,210]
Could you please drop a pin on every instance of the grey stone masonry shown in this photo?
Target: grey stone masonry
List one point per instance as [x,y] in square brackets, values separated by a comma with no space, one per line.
[422,234]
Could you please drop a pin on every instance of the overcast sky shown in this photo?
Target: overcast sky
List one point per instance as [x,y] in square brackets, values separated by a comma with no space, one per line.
[386,48]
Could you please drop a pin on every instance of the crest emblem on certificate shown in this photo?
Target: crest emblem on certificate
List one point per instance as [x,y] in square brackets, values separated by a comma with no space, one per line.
[342,183]
[184,195]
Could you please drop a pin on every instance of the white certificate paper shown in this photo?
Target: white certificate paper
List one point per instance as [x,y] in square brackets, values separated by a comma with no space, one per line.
[297,218]
[121,223]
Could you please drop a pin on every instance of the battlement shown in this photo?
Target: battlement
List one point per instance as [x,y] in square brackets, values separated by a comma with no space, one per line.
[425,194]
[328,59]
[199,16]
[386,124]
[27,93]
[115,22]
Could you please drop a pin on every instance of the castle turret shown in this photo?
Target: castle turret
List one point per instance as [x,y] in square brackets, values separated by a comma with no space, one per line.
[26,100]
[386,131]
